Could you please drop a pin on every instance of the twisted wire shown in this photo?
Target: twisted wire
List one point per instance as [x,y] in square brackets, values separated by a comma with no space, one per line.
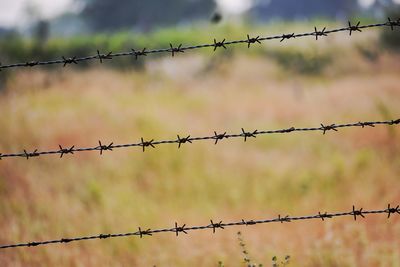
[183,229]
[101,148]
[173,50]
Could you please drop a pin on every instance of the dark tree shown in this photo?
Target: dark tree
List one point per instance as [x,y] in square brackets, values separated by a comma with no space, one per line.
[103,15]
[293,9]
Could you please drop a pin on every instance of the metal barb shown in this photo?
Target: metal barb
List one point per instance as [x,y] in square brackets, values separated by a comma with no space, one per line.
[139,53]
[218,137]
[392,210]
[393,23]
[324,215]
[31,155]
[145,144]
[326,128]
[284,219]
[252,40]
[320,33]
[219,44]
[216,225]
[143,233]
[69,60]
[63,151]
[102,147]
[353,28]
[249,134]
[357,213]
[103,56]
[393,122]
[174,50]
[183,140]
[179,229]
[287,36]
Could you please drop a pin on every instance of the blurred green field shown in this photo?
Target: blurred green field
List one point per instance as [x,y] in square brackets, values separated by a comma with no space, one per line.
[337,80]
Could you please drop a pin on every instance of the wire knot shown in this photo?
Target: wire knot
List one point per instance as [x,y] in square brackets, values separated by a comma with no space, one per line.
[143,233]
[287,36]
[251,222]
[174,50]
[248,134]
[218,137]
[104,56]
[216,226]
[33,244]
[139,53]
[319,33]
[392,210]
[219,44]
[65,240]
[393,23]
[179,229]
[324,216]
[31,63]
[252,40]
[394,122]
[69,60]
[284,219]
[363,124]
[326,128]
[145,144]
[289,130]
[102,147]
[356,213]
[353,28]
[183,140]
[104,236]
[63,151]
[31,154]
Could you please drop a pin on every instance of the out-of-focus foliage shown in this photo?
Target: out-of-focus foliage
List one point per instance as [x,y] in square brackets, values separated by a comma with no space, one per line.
[294,9]
[391,38]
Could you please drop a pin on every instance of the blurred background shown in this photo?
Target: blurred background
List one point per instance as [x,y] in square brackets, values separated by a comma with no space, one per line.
[300,82]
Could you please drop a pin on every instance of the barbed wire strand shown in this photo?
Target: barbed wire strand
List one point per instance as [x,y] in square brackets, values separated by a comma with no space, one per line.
[173,50]
[189,140]
[214,226]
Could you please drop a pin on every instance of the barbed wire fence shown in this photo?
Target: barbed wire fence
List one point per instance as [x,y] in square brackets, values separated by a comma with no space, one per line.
[177,229]
[173,50]
[214,226]
[189,140]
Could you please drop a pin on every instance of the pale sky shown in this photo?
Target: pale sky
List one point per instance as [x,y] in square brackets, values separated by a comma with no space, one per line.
[12,12]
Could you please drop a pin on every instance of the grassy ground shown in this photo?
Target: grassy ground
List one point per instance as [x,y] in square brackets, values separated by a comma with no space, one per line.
[84,194]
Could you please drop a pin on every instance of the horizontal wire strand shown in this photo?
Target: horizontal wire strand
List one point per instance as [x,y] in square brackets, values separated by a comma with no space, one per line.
[219,225]
[189,140]
[216,44]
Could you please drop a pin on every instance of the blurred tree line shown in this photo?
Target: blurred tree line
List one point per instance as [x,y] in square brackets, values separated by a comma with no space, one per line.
[295,9]
[105,15]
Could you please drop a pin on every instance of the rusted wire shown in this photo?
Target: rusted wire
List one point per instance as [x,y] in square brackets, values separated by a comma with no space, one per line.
[72,150]
[354,213]
[216,44]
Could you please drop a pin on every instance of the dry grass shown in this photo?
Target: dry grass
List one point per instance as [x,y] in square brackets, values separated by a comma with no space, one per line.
[47,198]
